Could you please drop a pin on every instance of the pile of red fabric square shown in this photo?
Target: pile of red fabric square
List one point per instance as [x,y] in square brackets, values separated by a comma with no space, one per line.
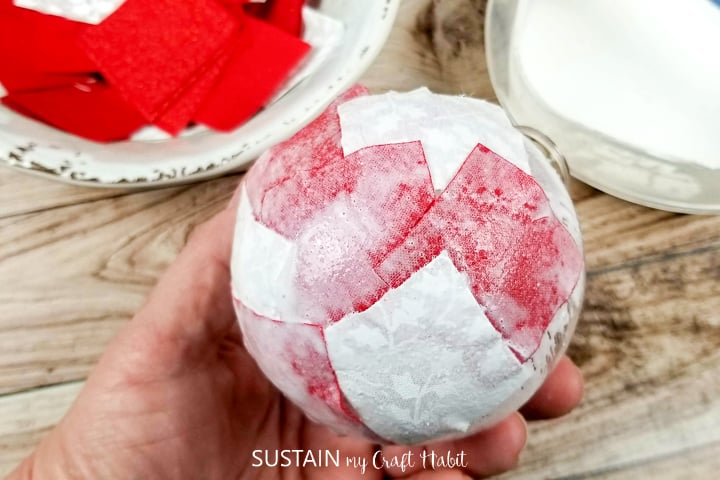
[166,63]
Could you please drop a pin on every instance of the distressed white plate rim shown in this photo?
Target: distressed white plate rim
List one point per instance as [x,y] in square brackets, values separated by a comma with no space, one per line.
[615,167]
[36,148]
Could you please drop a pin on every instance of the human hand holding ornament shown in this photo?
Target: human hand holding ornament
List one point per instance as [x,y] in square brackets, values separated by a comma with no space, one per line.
[177,395]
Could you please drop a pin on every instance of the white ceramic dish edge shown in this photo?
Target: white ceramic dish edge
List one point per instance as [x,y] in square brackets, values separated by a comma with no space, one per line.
[601,162]
[35,148]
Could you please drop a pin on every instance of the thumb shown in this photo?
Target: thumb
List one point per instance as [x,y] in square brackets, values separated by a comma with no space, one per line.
[192,304]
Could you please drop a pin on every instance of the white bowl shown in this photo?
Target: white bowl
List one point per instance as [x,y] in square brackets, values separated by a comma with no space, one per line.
[651,149]
[36,148]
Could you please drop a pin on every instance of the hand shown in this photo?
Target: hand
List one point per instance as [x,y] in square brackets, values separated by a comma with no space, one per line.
[175,395]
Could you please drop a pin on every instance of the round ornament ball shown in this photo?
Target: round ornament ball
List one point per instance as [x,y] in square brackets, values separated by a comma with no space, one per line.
[408,267]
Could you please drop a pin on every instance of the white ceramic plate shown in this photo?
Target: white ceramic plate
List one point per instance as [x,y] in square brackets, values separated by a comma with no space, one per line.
[36,148]
[643,123]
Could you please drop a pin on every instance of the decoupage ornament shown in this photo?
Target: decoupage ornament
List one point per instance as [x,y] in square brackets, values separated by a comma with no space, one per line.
[407,267]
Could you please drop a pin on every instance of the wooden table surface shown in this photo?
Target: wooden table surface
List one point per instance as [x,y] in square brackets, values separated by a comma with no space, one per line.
[76,263]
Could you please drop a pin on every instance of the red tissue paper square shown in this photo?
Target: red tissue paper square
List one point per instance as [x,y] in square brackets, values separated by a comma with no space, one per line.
[177,115]
[255,71]
[25,80]
[151,50]
[33,41]
[93,111]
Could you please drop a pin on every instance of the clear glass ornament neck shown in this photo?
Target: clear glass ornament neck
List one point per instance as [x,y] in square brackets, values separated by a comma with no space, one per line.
[548,147]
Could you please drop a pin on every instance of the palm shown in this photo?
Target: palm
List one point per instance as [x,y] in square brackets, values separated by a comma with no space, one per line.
[204,406]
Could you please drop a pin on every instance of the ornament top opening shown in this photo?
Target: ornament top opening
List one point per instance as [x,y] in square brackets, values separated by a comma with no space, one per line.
[408,267]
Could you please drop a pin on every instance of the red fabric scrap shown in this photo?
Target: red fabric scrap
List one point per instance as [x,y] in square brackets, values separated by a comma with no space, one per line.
[94,111]
[33,41]
[177,116]
[25,80]
[258,67]
[150,50]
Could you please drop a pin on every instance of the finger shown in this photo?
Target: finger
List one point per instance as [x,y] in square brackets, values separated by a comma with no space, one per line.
[441,475]
[489,452]
[192,303]
[492,451]
[196,286]
[561,392]
[235,200]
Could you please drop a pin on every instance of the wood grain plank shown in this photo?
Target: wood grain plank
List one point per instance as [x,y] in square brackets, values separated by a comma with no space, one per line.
[434,44]
[73,276]
[628,434]
[692,463]
[75,281]
[22,193]
[616,231]
[26,417]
